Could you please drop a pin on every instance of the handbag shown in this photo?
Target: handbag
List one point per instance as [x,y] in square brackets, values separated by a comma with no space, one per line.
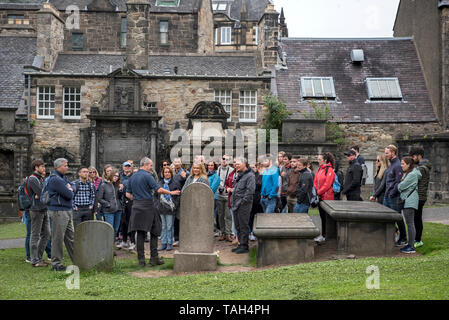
[167,204]
[401,203]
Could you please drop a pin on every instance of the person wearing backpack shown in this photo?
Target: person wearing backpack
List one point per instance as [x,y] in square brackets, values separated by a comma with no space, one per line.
[323,182]
[304,188]
[424,166]
[84,198]
[339,181]
[40,223]
[353,178]
[60,209]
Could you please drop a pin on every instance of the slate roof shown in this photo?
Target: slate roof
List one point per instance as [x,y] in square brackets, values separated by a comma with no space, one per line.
[15,53]
[185,6]
[222,66]
[254,8]
[392,57]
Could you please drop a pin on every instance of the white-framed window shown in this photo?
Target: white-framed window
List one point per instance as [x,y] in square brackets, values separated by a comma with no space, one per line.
[248,106]
[225,98]
[163,31]
[45,102]
[216,36]
[383,88]
[225,35]
[317,87]
[222,6]
[214,6]
[71,102]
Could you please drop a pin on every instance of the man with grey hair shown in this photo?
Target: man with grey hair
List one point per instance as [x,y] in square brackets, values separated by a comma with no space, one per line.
[144,217]
[60,211]
[242,202]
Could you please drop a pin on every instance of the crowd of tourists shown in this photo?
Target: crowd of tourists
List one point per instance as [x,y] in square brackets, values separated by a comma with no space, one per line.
[143,205]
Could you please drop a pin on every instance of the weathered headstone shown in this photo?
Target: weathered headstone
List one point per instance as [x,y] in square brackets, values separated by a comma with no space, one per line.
[196,230]
[284,238]
[94,246]
[361,227]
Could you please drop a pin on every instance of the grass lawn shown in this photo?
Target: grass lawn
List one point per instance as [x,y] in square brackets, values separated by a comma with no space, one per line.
[417,277]
[12,230]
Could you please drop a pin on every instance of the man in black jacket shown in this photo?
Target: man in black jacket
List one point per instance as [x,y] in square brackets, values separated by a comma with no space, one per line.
[242,201]
[353,178]
[304,188]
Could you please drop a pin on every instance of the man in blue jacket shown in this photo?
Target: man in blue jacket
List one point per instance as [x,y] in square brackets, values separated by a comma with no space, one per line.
[60,210]
[393,178]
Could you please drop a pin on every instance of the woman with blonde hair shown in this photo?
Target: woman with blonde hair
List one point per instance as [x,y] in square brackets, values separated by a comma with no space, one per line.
[380,179]
[94,177]
[197,174]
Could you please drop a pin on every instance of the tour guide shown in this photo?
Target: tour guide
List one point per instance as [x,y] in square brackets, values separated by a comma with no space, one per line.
[144,217]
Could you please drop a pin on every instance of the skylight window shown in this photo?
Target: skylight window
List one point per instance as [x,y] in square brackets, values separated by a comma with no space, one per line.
[222,6]
[167,3]
[317,87]
[383,88]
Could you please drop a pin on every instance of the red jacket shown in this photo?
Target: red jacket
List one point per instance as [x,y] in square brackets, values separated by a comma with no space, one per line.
[229,183]
[323,182]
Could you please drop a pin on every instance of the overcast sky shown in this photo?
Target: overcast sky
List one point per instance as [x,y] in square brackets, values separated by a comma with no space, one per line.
[339,18]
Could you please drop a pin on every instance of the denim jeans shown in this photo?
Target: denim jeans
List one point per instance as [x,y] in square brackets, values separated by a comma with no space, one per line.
[27,221]
[301,208]
[392,203]
[114,220]
[167,228]
[268,205]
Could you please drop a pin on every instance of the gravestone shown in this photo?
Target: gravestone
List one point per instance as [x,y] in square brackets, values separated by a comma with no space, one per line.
[196,230]
[284,238]
[94,246]
[361,227]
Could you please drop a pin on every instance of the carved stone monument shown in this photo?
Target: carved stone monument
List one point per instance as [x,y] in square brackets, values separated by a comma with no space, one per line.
[284,238]
[196,233]
[94,246]
[361,227]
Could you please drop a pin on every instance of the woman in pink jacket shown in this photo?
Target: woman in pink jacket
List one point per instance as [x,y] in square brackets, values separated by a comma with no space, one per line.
[324,179]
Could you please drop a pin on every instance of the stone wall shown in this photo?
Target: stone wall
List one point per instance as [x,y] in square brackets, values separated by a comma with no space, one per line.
[445,65]
[60,132]
[29,28]
[137,35]
[176,98]
[182,33]
[101,31]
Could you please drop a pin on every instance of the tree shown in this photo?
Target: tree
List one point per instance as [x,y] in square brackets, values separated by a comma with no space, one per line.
[276,113]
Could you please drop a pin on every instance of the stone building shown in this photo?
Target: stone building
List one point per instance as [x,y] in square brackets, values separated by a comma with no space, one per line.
[101,81]
[427,21]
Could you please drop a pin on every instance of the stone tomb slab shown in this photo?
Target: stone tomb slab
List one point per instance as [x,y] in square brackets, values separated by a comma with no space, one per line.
[94,246]
[196,231]
[361,227]
[284,238]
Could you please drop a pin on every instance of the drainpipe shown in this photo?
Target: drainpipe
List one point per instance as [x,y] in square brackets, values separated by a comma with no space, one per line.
[29,101]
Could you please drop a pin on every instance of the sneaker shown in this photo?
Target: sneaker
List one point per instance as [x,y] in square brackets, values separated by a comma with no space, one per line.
[408,249]
[28,261]
[122,245]
[400,243]
[252,237]
[217,234]
[142,263]
[235,249]
[418,244]
[132,246]
[176,243]
[154,261]
[320,239]
[58,268]
[169,247]
[241,250]
[40,264]
[162,247]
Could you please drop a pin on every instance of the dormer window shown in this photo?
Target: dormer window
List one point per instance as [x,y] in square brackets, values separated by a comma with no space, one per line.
[317,88]
[219,6]
[225,35]
[383,89]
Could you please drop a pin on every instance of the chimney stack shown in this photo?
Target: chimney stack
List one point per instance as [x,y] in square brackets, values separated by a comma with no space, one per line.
[205,28]
[137,24]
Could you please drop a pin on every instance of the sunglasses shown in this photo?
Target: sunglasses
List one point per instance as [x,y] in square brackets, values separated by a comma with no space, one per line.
[165,164]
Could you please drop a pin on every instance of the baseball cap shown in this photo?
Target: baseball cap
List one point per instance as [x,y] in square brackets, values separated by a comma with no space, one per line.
[126,164]
[350,153]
